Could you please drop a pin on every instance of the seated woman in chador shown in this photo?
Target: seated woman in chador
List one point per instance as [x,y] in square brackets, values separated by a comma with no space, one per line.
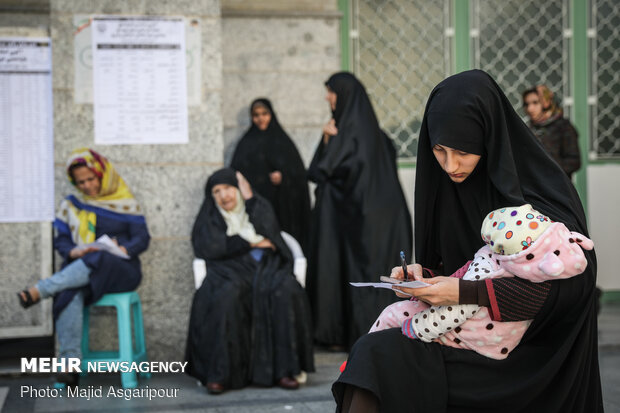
[250,319]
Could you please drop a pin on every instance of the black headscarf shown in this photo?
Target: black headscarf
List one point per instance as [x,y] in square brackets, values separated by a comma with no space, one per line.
[352,97]
[360,145]
[259,153]
[558,354]
[221,176]
[469,112]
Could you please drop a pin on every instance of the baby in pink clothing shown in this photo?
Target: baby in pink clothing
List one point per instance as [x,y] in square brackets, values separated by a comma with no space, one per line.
[520,242]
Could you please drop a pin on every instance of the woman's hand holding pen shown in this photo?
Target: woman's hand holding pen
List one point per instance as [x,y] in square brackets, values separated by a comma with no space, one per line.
[414,272]
[443,291]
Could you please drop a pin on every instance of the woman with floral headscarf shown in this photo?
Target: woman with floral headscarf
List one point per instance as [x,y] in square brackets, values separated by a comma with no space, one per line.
[107,208]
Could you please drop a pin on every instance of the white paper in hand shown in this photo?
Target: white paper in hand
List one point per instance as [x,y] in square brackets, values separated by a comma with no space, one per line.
[408,284]
[106,243]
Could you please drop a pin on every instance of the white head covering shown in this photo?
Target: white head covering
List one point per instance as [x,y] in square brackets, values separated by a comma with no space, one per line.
[238,221]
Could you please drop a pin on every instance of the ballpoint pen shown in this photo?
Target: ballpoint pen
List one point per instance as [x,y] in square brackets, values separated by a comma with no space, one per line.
[404,263]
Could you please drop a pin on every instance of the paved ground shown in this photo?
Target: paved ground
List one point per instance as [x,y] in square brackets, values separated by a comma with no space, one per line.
[314,396]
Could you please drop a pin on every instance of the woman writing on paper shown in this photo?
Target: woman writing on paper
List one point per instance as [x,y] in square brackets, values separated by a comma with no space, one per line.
[475,155]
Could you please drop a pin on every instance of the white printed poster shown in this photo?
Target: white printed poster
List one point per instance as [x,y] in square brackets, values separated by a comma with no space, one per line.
[26,130]
[139,80]
[83,59]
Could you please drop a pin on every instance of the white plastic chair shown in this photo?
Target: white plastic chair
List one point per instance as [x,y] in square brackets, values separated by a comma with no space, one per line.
[300,264]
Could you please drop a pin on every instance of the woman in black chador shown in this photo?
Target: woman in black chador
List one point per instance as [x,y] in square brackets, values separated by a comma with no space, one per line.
[269,160]
[475,155]
[250,319]
[360,221]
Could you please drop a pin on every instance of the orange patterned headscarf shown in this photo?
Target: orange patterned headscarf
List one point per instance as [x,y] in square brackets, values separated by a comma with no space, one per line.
[114,195]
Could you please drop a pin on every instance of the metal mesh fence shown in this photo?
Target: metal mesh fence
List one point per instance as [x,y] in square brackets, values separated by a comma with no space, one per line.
[523,43]
[400,51]
[605,79]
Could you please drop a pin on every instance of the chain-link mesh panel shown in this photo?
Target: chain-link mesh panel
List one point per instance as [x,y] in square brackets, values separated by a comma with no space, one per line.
[521,44]
[605,86]
[400,52]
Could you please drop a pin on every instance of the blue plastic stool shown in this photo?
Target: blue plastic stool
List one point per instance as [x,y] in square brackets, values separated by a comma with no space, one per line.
[126,304]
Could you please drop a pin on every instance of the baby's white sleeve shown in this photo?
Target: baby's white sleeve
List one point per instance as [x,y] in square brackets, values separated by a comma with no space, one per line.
[434,322]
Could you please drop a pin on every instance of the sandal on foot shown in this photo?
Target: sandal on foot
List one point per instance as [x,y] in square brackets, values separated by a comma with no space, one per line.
[29,301]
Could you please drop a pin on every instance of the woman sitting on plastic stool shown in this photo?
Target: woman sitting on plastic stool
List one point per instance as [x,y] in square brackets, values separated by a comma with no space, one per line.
[108,208]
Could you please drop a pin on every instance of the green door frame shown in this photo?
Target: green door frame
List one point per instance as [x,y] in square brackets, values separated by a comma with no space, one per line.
[345,41]
[460,44]
[579,82]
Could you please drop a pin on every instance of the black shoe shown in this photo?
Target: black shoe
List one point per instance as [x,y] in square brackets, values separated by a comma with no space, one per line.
[25,299]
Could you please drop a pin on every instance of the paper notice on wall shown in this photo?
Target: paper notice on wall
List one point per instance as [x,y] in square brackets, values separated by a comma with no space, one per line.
[139,80]
[83,59]
[26,130]
[193,39]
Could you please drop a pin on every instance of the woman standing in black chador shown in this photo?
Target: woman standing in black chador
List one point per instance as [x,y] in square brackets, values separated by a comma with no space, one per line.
[360,220]
[475,155]
[250,319]
[269,160]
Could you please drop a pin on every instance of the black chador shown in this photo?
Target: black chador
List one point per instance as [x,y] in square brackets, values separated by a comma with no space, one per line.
[250,319]
[360,221]
[259,153]
[555,366]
